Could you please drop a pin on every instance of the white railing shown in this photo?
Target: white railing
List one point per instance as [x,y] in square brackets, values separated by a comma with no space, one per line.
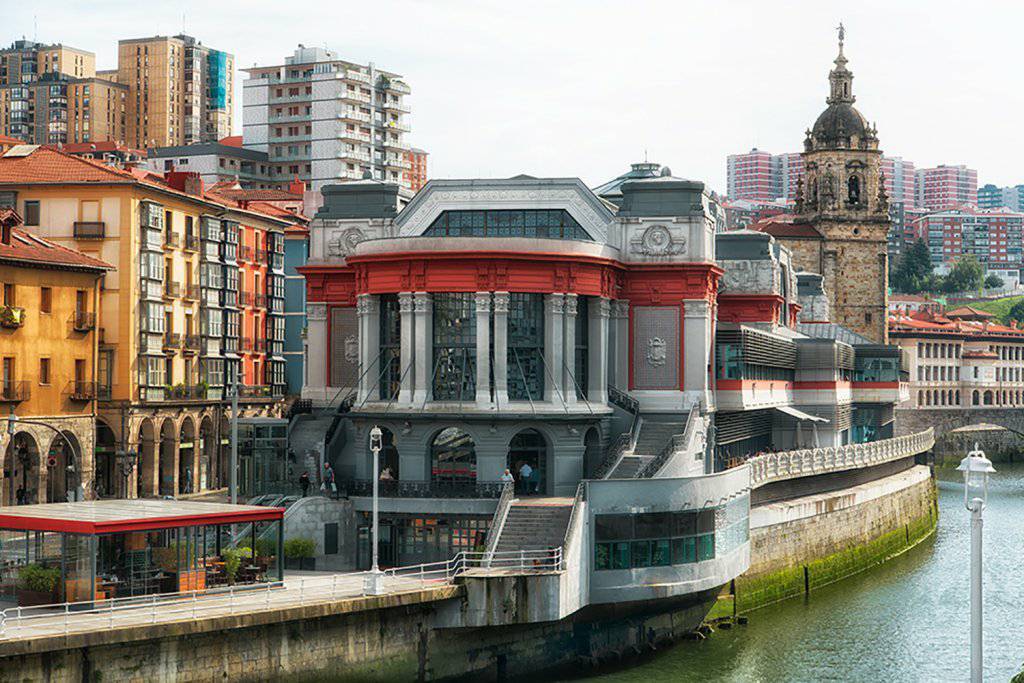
[682,443]
[570,529]
[498,520]
[772,467]
[69,617]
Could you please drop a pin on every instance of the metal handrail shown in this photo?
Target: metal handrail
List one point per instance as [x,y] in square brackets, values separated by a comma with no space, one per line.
[498,520]
[771,467]
[577,506]
[677,443]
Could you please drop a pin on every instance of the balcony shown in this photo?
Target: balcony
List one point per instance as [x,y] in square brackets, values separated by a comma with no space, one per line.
[260,345]
[172,240]
[81,391]
[244,253]
[245,344]
[89,230]
[192,292]
[394,106]
[258,391]
[14,392]
[352,115]
[244,298]
[172,342]
[193,343]
[12,317]
[185,392]
[172,289]
[354,155]
[259,301]
[261,256]
[354,135]
[404,488]
[191,243]
[83,321]
[104,392]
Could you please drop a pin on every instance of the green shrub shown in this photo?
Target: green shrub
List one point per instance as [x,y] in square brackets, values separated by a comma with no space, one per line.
[37,578]
[233,560]
[265,547]
[298,548]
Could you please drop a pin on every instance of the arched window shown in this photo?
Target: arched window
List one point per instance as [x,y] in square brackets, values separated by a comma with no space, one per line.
[21,473]
[107,475]
[988,397]
[527,459]
[388,455]
[453,458]
[958,397]
[974,398]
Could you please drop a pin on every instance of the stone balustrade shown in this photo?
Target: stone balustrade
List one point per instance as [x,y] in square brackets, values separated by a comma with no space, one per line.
[772,467]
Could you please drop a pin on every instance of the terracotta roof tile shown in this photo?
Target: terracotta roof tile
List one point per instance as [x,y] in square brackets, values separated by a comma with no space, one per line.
[777,228]
[45,165]
[27,249]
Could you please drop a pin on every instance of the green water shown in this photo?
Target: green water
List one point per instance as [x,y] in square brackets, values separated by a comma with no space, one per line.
[906,620]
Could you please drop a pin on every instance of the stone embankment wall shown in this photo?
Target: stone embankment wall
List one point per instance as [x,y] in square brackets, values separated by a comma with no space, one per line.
[806,543]
[1002,445]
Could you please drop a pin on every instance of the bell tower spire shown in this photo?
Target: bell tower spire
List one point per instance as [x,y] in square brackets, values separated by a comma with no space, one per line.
[840,77]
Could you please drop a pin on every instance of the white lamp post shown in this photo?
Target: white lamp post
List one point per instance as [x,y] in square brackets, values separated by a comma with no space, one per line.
[976,468]
[376,440]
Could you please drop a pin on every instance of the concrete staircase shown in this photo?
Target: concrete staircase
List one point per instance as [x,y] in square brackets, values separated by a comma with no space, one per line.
[629,466]
[307,434]
[537,524]
[655,432]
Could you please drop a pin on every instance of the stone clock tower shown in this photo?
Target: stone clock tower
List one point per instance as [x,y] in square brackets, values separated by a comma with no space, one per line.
[842,197]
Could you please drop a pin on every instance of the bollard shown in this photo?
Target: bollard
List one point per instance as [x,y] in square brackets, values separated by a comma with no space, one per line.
[152,606]
[266,604]
[231,599]
[67,611]
[194,601]
[111,620]
[334,586]
[423,581]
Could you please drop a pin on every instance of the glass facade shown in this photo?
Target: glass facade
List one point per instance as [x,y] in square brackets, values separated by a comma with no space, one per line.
[453,457]
[582,351]
[548,223]
[526,347]
[390,347]
[454,376]
[660,539]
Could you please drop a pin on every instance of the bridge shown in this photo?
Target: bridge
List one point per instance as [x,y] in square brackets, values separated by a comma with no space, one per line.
[998,430]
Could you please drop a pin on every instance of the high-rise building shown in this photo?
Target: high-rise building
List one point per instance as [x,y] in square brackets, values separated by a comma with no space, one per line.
[993,236]
[325,119]
[49,94]
[180,91]
[750,176]
[899,180]
[993,197]
[415,177]
[945,187]
[788,169]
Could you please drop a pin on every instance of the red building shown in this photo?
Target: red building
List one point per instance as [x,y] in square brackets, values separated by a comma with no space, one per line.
[946,187]
[993,236]
[415,177]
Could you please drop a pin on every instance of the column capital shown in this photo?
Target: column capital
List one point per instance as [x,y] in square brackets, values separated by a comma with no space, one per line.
[554,303]
[600,307]
[571,301]
[483,302]
[366,304]
[501,301]
[696,308]
[421,302]
[316,311]
[620,308]
[405,302]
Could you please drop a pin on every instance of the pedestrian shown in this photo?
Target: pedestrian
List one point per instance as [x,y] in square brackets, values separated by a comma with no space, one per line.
[304,483]
[507,477]
[385,474]
[328,486]
[19,496]
[525,476]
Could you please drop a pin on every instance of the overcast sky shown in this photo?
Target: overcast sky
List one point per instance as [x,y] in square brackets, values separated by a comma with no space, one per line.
[583,88]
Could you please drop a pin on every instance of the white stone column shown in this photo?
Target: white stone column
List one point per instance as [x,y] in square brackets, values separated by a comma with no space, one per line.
[696,348]
[483,349]
[554,314]
[620,316]
[406,346]
[316,357]
[501,300]
[569,379]
[368,312]
[424,347]
[597,340]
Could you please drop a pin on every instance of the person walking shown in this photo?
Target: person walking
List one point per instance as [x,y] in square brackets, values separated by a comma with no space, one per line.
[525,476]
[329,486]
[304,483]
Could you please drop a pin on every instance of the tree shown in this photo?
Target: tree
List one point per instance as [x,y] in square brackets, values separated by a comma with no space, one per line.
[993,281]
[914,268]
[1017,312]
[967,275]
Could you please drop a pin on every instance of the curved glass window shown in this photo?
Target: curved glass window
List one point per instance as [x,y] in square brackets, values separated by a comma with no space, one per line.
[582,355]
[453,457]
[390,347]
[550,223]
[454,347]
[525,347]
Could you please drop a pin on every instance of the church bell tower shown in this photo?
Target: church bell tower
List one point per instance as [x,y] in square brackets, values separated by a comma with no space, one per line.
[842,195]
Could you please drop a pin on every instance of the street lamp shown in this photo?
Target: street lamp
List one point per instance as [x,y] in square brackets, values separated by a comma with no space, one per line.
[376,440]
[126,460]
[976,468]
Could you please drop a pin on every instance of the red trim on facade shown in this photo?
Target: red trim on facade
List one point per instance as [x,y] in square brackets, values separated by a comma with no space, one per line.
[876,385]
[794,314]
[740,384]
[801,386]
[19,523]
[750,308]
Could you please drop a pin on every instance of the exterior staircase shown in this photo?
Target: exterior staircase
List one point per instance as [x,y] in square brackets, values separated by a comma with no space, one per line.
[655,432]
[535,524]
[307,433]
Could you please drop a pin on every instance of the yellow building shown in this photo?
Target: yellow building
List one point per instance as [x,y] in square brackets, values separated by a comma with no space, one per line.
[25,60]
[169,336]
[180,91]
[48,353]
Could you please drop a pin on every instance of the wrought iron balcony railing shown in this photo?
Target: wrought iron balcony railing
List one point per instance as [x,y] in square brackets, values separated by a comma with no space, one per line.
[83,321]
[81,390]
[89,230]
[14,391]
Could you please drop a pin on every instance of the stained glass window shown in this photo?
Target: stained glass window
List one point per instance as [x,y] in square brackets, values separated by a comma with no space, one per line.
[548,223]
[454,347]
[526,347]
[390,347]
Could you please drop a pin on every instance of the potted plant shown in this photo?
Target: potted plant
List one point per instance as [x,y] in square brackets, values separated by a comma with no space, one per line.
[37,585]
[300,553]
[233,558]
[266,549]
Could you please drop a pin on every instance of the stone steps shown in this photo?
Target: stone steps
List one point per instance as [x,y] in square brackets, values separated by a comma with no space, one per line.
[534,527]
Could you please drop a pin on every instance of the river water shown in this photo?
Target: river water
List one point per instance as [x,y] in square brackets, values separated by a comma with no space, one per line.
[906,620]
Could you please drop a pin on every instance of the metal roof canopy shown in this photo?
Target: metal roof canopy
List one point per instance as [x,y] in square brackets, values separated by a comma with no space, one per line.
[113,516]
[792,412]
